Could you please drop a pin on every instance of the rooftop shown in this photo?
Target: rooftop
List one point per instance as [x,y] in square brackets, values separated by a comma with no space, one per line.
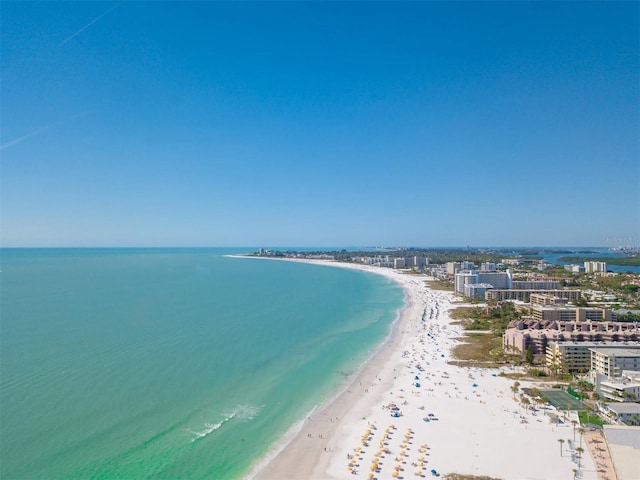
[630,351]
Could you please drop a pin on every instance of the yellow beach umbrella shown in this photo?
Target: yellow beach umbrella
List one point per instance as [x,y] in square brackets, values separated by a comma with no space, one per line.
[395,473]
[371,475]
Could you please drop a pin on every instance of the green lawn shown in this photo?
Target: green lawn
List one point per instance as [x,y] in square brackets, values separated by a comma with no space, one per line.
[593,419]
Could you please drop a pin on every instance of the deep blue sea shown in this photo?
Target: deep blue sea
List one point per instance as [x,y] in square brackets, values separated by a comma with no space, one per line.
[170,363]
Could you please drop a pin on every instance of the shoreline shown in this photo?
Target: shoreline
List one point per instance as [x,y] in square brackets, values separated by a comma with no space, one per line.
[303,440]
[453,419]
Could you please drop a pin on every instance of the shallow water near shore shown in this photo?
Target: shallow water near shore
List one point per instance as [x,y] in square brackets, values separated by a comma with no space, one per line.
[171,363]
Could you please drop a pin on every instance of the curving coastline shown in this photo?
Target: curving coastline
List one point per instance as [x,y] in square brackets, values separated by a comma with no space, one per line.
[476,427]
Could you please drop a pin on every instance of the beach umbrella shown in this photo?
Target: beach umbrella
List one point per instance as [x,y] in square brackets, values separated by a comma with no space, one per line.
[371,475]
[418,473]
[395,473]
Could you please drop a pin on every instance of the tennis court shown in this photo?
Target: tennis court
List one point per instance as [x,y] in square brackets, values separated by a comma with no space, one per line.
[562,400]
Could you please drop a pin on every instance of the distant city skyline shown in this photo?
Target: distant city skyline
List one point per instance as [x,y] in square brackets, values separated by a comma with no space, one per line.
[320,124]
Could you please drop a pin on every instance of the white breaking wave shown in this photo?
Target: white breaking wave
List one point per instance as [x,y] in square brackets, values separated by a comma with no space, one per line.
[243,413]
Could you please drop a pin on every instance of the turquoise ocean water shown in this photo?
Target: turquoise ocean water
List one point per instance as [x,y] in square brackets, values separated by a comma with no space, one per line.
[159,363]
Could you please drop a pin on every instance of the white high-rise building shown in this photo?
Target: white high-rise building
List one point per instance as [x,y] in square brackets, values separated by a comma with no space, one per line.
[593,267]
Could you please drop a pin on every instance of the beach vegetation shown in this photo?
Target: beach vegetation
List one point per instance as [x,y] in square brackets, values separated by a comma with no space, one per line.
[479,348]
[440,285]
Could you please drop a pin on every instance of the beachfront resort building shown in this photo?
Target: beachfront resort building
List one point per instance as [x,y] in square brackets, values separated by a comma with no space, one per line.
[627,413]
[615,372]
[520,334]
[500,280]
[624,388]
[611,362]
[576,357]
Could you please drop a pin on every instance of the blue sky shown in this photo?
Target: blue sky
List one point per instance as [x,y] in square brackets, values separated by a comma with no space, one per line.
[319,123]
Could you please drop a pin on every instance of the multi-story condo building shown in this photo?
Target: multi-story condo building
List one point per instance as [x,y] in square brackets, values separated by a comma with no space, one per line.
[569,314]
[623,412]
[611,362]
[619,389]
[476,290]
[535,285]
[453,267]
[399,262]
[574,268]
[521,334]
[615,372]
[576,356]
[525,295]
[542,299]
[593,267]
[500,280]
[488,266]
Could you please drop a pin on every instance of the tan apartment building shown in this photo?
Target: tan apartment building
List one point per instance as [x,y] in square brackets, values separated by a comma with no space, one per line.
[571,314]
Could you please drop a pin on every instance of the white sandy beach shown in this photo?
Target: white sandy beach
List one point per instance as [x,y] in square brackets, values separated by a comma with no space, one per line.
[474,424]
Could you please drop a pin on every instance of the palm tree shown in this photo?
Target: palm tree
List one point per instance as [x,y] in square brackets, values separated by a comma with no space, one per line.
[575,473]
[516,386]
[582,431]
[561,441]
[579,451]
[574,423]
[588,410]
